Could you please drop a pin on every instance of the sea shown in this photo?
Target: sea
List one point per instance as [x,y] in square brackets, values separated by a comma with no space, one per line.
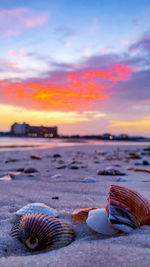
[20,143]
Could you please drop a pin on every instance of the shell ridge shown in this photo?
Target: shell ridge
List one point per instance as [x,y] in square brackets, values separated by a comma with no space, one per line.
[133,202]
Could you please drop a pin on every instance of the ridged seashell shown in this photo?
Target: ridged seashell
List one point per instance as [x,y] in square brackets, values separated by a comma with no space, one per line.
[80,215]
[38,231]
[127,208]
[98,221]
[33,208]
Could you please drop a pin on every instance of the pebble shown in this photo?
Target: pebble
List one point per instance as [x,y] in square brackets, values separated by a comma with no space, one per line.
[137,163]
[35,157]
[121,179]
[89,180]
[55,197]
[61,161]
[73,167]
[56,155]
[61,167]
[11,160]
[30,170]
[145,162]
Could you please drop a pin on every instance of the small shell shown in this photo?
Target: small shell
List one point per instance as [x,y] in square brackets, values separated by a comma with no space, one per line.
[33,208]
[7,177]
[127,207]
[38,231]
[98,221]
[80,215]
[89,180]
[142,170]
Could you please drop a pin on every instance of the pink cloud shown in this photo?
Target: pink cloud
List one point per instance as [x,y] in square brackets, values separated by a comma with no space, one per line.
[13,21]
[20,53]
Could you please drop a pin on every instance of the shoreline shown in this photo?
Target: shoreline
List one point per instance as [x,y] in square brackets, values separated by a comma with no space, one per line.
[67,143]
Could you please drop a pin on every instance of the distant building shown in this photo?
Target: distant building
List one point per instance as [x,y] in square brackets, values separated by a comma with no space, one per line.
[18,129]
[25,129]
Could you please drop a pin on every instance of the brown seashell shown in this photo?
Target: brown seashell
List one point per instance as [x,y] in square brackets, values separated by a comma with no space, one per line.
[126,206]
[141,170]
[80,215]
[39,231]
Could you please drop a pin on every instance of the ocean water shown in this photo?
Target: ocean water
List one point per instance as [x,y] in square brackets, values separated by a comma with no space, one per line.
[16,143]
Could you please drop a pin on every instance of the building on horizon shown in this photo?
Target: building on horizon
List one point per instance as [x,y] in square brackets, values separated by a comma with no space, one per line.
[24,129]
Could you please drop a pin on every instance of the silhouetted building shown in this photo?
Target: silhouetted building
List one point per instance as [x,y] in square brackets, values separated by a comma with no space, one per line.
[25,129]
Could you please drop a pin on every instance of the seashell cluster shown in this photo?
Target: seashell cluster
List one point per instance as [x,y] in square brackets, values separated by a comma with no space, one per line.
[126,210]
[39,231]
[40,208]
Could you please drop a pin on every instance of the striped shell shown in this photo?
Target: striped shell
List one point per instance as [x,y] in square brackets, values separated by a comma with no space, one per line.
[38,231]
[80,215]
[127,207]
[40,208]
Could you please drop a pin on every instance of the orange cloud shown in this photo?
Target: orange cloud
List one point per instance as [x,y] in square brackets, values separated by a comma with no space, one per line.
[73,91]
[12,63]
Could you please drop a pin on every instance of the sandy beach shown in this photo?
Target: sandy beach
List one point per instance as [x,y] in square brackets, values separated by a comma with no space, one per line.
[62,187]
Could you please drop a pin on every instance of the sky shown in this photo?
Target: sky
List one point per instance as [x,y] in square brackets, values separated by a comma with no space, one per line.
[82,65]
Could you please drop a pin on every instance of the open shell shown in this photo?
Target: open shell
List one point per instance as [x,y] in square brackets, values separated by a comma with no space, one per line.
[98,221]
[127,207]
[40,208]
[38,232]
[80,215]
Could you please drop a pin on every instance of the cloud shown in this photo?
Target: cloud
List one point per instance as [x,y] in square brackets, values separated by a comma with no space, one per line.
[66,91]
[142,44]
[12,63]
[20,53]
[14,21]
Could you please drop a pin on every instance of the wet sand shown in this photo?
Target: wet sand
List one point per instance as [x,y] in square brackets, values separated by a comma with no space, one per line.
[66,193]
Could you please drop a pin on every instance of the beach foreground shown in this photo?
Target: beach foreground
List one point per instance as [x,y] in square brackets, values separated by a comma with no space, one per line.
[62,187]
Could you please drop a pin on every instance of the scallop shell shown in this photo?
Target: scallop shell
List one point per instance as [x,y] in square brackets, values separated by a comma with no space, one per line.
[38,231]
[98,221]
[33,208]
[127,207]
[80,215]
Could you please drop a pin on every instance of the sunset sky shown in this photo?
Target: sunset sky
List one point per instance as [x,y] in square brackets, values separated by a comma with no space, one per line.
[82,65]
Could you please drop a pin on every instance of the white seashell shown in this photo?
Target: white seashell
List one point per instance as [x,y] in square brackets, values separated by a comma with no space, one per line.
[6,178]
[89,180]
[98,221]
[58,175]
[39,208]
